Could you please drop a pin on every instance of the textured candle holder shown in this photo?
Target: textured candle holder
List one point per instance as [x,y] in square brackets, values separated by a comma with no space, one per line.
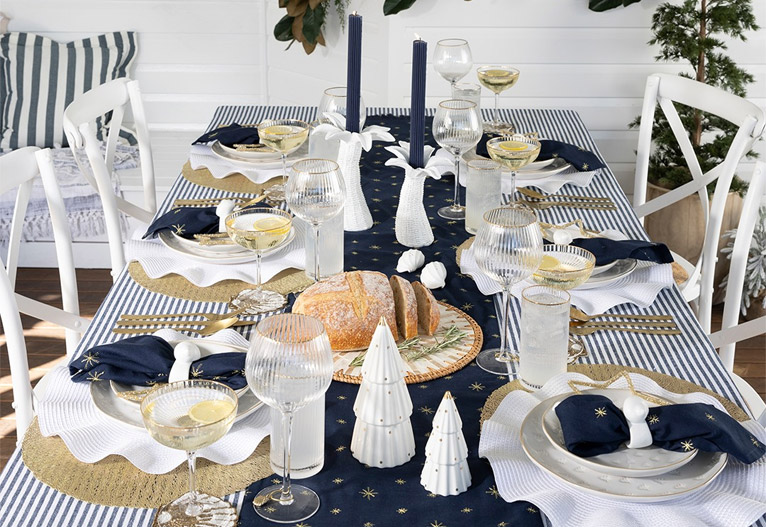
[412,227]
[356,213]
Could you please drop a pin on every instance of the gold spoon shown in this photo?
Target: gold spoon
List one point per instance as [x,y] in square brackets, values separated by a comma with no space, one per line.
[537,195]
[581,316]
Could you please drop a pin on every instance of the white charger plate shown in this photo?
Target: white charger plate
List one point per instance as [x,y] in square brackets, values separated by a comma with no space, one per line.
[261,160]
[630,462]
[259,153]
[225,249]
[695,475]
[170,241]
[556,166]
[621,269]
[129,412]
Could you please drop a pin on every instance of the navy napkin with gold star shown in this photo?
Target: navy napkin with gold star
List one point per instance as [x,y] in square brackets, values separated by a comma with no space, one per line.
[233,134]
[593,425]
[186,222]
[581,159]
[146,360]
[606,250]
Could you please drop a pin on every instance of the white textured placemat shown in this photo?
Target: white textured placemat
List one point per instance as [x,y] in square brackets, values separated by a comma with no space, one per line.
[550,184]
[67,410]
[736,497]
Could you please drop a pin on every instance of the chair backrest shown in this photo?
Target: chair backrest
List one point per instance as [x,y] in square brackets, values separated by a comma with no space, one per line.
[19,168]
[739,256]
[80,119]
[665,90]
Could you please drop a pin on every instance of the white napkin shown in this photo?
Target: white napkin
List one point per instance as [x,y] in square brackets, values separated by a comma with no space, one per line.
[201,156]
[549,184]
[157,260]
[67,410]
[736,497]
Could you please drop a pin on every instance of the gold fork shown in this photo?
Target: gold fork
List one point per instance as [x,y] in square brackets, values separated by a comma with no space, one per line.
[208,316]
[588,330]
[204,202]
[541,205]
[581,316]
[619,324]
[537,195]
[207,327]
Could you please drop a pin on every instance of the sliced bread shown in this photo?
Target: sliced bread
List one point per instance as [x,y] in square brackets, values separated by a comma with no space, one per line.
[406,307]
[428,309]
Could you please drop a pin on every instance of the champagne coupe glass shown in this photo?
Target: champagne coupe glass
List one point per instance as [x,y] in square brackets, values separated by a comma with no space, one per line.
[514,151]
[452,59]
[497,79]
[457,128]
[260,229]
[288,366]
[190,415]
[315,193]
[334,101]
[285,136]
[508,248]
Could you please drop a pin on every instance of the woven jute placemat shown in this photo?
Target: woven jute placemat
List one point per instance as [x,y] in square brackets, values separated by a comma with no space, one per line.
[231,183]
[604,372]
[285,282]
[114,481]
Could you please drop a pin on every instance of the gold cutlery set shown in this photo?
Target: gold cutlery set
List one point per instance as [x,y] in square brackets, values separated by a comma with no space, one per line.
[582,324]
[133,324]
[218,238]
[537,200]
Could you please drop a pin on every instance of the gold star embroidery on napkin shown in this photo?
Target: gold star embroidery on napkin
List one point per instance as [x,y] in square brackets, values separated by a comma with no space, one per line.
[436,524]
[400,481]
[653,419]
[600,412]
[687,445]
[89,359]
[335,511]
[196,371]
[492,491]
[341,448]
[95,376]
[531,510]
[466,510]
[402,510]
[755,442]
[710,417]
[368,493]
[179,229]
[340,421]
[338,481]
[585,166]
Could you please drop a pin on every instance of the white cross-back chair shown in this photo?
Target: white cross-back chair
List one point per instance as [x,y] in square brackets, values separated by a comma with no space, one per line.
[80,119]
[665,90]
[18,169]
[731,331]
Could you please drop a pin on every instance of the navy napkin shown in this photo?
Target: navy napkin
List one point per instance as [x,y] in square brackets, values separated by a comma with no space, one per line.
[233,134]
[186,222]
[581,159]
[593,425]
[606,250]
[146,360]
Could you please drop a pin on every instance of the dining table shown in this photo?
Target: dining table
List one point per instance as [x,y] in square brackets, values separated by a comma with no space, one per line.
[351,493]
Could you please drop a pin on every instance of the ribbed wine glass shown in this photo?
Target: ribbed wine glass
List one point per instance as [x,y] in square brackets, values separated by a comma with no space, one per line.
[288,366]
[508,248]
[284,136]
[452,59]
[457,128]
[315,193]
[334,101]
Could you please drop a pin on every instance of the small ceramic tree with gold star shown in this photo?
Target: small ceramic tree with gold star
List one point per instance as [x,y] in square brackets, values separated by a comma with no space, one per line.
[446,471]
[383,433]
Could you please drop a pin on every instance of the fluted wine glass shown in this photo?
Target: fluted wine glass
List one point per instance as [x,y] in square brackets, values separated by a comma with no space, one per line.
[452,59]
[508,248]
[334,101]
[288,366]
[316,193]
[457,128]
[284,136]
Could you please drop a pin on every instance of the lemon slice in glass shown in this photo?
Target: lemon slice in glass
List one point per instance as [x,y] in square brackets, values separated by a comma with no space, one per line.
[207,412]
[278,129]
[497,73]
[275,224]
[515,146]
[549,263]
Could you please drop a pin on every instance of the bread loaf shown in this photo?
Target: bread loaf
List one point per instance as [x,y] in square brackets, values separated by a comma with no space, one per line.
[428,309]
[350,306]
[406,307]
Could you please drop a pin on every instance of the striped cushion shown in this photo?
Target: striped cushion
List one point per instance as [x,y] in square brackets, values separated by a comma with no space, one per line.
[40,77]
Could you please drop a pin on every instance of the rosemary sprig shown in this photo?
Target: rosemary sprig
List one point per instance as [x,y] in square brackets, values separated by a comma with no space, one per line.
[452,337]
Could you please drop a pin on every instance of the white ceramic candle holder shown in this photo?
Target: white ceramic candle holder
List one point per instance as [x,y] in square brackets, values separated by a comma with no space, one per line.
[446,471]
[356,213]
[412,227]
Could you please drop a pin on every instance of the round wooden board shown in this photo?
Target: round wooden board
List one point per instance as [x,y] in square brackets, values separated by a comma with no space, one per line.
[431,366]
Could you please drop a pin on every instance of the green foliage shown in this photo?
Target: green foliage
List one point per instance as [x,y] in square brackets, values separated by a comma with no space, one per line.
[391,7]
[605,5]
[283,31]
[692,32]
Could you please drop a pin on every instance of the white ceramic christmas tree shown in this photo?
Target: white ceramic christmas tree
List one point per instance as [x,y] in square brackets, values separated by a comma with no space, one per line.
[446,471]
[383,433]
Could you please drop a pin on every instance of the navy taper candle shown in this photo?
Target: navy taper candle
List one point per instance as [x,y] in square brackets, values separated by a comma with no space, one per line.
[354,72]
[418,103]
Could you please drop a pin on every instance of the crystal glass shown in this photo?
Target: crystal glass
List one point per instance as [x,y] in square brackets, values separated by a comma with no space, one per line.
[260,229]
[285,136]
[544,335]
[564,266]
[508,248]
[497,79]
[483,191]
[468,92]
[457,128]
[514,151]
[315,193]
[288,366]
[190,415]
[334,101]
[452,59]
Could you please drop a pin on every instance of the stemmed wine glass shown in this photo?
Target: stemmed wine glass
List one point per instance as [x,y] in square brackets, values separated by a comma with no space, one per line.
[457,128]
[260,229]
[285,136]
[508,248]
[452,59]
[334,101]
[190,415]
[515,151]
[288,366]
[316,193]
[497,79]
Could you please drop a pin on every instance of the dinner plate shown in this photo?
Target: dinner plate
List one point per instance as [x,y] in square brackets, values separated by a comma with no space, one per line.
[631,462]
[621,269]
[128,412]
[598,269]
[199,254]
[258,152]
[691,477]
[557,166]
[230,154]
[537,165]
[225,249]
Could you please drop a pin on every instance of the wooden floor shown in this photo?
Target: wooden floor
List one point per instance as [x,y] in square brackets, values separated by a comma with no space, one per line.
[45,342]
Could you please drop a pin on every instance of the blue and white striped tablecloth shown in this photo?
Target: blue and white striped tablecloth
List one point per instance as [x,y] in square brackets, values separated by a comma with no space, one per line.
[24,501]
